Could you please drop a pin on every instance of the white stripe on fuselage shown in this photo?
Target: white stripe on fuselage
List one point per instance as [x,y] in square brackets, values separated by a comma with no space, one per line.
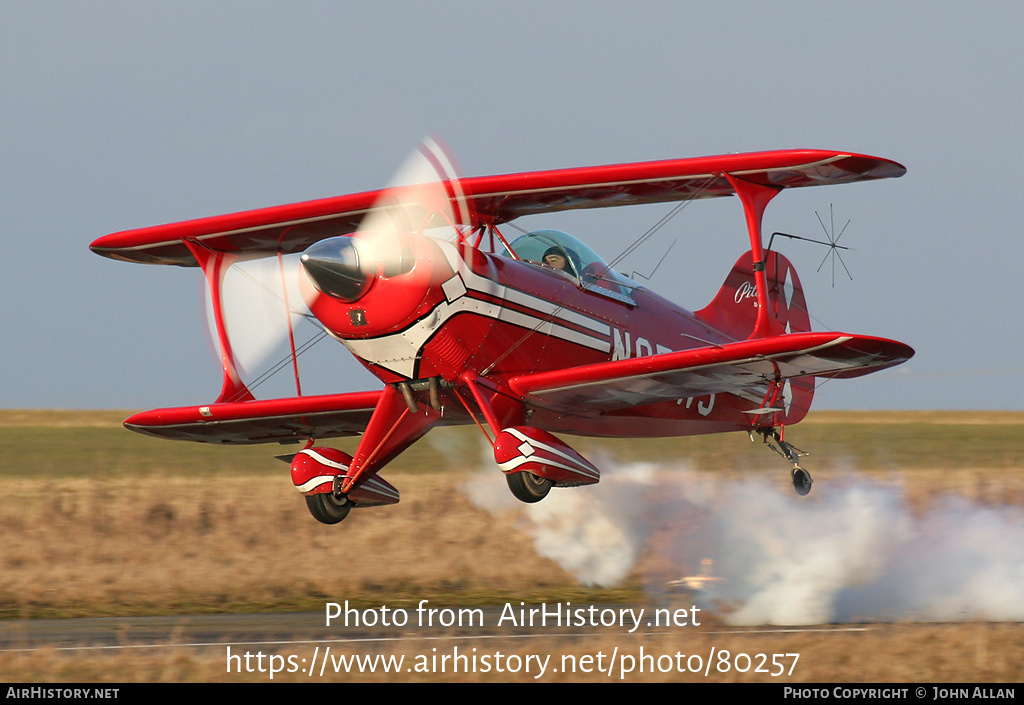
[399,352]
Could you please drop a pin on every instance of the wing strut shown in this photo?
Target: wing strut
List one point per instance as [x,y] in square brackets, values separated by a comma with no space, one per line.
[215,264]
[755,198]
[288,319]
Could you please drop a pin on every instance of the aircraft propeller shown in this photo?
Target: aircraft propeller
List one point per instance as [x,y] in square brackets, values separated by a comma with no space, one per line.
[264,300]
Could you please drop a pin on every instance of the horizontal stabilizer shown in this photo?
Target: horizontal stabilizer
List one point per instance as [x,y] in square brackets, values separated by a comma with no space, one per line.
[766,410]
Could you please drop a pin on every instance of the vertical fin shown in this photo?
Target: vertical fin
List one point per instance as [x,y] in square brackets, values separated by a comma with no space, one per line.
[734,310]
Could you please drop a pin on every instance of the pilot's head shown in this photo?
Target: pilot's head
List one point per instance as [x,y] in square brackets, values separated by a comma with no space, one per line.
[554,258]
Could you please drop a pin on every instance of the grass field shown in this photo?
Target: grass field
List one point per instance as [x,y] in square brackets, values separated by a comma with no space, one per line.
[99,521]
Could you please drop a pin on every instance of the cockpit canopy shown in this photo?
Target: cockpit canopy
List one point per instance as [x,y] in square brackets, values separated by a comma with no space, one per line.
[582,264]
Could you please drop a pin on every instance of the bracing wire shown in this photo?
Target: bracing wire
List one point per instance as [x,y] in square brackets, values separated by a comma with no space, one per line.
[629,249]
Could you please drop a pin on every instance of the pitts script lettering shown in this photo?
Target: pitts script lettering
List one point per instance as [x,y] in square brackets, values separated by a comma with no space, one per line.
[747,290]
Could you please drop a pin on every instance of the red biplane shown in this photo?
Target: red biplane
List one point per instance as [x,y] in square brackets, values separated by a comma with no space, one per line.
[525,336]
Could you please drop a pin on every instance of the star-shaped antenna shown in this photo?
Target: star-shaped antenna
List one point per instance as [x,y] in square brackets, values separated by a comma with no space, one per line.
[833,244]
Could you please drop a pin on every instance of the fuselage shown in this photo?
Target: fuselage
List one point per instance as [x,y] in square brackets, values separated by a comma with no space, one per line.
[453,310]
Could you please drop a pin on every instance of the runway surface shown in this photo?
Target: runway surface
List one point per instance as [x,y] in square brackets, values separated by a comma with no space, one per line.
[270,630]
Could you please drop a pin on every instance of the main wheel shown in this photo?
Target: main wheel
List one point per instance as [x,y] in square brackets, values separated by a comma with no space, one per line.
[801,481]
[328,508]
[528,487]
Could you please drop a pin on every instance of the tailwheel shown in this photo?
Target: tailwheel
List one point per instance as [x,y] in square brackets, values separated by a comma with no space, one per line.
[527,487]
[801,481]
[801,478]
[327,507]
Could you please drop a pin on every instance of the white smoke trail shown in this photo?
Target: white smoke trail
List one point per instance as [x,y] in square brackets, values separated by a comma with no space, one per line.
[850,551]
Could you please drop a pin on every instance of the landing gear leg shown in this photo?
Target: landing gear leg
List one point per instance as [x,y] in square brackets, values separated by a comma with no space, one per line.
[801,478]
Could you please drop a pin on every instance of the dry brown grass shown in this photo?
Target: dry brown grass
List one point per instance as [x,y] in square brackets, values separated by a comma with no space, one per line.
[47,418]
[948,418]
[900,653]
[102,521]
[139,526]
[92,546]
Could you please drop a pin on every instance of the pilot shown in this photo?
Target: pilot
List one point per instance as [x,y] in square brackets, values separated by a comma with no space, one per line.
[559,260]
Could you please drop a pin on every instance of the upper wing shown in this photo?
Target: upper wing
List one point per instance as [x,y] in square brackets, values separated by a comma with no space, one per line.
[504,198]
[498,199]
[742,368]
[271,420]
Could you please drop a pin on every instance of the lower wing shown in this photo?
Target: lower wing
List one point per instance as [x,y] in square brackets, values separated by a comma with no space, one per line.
[264,421]
[743,368]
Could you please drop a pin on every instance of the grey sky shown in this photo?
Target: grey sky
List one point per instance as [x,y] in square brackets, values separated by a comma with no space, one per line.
[123,115]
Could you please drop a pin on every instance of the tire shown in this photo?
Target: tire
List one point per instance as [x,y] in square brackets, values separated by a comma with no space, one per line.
[801,481]
[527,487]
[328,508]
